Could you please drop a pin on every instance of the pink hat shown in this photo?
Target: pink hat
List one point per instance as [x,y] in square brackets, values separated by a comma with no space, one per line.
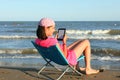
[45,22]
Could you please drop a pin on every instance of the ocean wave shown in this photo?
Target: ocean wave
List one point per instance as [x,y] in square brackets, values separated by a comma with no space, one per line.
[93,32]
[21,31]
[114,32]
[17,37]
[88,31]
[18,51]
[106,58]
[19,56]
[70,36]
[77,34]
[98,37]
[84,32]
[105,51]
[99,52]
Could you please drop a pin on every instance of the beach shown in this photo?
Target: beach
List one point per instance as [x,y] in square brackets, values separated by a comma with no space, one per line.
[7,73]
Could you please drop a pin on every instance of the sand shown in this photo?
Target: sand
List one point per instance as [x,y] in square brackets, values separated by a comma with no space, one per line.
[7,73]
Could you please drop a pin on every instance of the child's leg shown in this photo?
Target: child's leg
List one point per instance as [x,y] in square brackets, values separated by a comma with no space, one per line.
[81,47]
[79,68]
[73,44]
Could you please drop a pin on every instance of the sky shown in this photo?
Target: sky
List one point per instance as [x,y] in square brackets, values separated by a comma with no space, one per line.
[60,10]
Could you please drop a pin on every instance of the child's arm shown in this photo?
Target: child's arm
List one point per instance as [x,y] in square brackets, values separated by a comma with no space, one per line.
[65,46]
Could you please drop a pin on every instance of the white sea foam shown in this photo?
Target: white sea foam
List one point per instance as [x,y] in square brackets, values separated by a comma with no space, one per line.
[87,31]
[71,36]
[112,37]
[77,34]
[16,37]
[106,58]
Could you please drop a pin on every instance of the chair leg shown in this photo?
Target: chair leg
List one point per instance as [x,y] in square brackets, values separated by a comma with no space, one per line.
[53,65]
[48,63]
[62,74]
[41,69]
[57,69]
[75,70]
[44,66]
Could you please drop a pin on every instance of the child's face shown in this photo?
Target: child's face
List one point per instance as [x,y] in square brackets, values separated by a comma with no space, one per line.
[50,30]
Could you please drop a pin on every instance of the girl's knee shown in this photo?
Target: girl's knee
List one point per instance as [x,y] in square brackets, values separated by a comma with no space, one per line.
[87,41]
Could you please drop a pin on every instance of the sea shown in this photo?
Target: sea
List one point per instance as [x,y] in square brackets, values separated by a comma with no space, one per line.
[16,49]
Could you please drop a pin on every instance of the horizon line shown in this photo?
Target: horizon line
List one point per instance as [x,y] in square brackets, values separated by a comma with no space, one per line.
[59,20]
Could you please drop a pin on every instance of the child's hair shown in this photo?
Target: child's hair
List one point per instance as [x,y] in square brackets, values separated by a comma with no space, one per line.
[41,33]
[44,22]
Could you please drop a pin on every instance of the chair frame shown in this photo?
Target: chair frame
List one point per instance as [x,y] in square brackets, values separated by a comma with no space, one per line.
[48,62]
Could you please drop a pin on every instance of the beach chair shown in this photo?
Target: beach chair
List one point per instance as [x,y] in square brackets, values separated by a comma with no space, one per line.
[54,54]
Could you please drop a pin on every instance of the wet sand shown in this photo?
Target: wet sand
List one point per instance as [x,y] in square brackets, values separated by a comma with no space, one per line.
[31,74]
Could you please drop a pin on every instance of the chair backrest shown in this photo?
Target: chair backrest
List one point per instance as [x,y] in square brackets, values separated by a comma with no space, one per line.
[52,53]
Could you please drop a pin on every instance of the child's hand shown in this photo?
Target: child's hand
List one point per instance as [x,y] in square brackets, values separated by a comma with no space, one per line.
[65,39]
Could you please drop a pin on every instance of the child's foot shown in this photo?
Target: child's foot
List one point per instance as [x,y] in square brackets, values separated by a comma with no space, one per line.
[91,71]
[80,69]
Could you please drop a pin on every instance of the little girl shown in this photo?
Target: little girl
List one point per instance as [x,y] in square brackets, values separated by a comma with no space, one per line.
[45,30]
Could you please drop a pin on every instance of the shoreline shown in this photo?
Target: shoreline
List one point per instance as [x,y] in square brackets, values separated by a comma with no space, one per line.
[21,73]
